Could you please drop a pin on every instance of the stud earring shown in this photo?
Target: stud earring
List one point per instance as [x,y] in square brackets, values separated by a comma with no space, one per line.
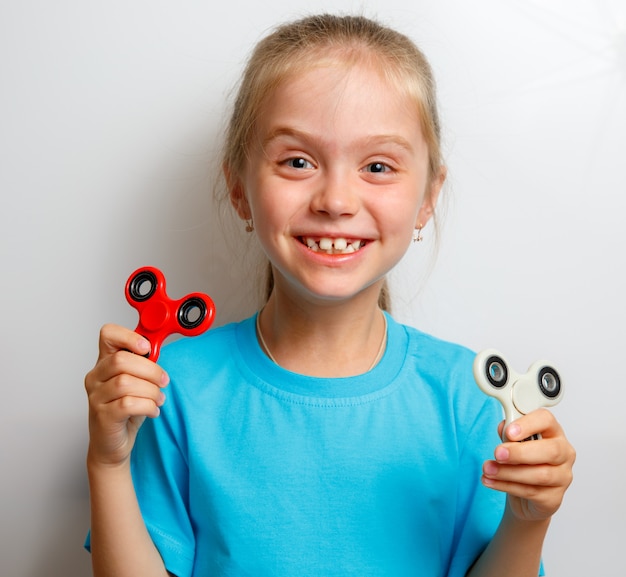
[417,234]
[249,225]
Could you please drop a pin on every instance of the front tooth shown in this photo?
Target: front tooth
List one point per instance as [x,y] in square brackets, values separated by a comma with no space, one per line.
[325,243]
[341,244]
[338,245]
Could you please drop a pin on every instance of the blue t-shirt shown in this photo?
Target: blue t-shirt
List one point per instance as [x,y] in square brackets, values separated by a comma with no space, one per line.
[252,470]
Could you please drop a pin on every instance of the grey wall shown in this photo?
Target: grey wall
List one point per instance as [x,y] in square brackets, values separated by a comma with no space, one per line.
[108,111]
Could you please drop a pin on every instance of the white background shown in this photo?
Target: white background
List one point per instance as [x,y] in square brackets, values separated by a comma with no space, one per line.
[109,112]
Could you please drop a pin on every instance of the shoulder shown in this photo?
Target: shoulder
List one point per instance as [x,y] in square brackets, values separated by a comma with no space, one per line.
[439,374]
[217,343]
[204,370]
[445,368]
[197,362]
[436,356]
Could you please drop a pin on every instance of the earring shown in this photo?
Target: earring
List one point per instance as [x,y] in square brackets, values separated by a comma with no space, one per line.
[417,234]
[249,225]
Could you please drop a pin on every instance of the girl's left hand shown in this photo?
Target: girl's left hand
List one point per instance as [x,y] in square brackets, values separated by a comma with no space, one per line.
[534,474]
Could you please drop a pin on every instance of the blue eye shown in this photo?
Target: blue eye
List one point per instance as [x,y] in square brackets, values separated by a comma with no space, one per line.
[377,167]
[299,163]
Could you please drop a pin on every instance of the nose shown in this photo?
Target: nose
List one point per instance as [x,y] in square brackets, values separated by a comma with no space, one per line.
[336,196]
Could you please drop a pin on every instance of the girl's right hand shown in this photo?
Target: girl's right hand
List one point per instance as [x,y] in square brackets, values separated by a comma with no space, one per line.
[123,389]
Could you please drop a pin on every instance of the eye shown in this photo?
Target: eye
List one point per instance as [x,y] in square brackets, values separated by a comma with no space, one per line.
[298,162]
[377,167]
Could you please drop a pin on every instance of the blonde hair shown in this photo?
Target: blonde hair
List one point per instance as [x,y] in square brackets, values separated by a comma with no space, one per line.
[297,45]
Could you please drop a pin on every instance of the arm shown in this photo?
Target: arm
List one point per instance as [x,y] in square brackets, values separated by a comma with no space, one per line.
[120,542]
[535,476]
[123,389]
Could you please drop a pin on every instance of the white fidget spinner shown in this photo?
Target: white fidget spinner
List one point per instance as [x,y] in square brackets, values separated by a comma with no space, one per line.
[539,387]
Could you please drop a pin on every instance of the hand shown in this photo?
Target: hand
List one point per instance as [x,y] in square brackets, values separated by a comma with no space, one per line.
[123,389]
[534,474]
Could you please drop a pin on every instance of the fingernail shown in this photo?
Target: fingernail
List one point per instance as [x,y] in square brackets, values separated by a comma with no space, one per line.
[513,431]
[161,401]
[502,454]
[165,378]
[144,346]
[490,469]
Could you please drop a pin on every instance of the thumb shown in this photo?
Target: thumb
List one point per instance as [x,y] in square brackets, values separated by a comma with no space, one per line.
[114,338]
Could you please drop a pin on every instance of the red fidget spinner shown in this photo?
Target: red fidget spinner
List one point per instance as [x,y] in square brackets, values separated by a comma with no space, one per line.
[160,316]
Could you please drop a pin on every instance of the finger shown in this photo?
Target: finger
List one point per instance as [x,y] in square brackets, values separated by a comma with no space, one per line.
[125,362]
[114,338]
[542,499]
[531,475]
[126,408]
[549,451]
[539,422]
[126,385]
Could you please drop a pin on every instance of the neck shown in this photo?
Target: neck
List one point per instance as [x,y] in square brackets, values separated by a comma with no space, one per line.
[326,341]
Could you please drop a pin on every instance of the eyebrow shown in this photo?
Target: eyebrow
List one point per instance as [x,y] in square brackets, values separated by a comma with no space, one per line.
[290,132]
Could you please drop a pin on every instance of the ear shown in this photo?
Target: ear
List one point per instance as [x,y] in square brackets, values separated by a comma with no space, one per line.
[430,198]
[236,193]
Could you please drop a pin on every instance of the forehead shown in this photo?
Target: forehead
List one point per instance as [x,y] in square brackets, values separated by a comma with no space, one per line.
[341,97]
[344,61]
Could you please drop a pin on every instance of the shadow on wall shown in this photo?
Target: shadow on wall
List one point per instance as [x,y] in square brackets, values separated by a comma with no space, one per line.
[62,521]
[199,248]
[197,242]
[64,554]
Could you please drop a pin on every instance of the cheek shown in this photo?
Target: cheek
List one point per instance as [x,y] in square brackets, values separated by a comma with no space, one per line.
[272,217]
[399,214]
[277,205]
[268,211]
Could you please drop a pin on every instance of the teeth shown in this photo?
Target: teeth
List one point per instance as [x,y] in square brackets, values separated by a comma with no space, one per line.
[333,246]
[341,244]
[326,244]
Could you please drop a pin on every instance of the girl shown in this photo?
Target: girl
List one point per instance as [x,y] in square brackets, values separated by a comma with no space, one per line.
[319,437]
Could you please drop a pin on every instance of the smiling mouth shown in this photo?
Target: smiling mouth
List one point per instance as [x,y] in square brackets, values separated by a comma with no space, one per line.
[332,245]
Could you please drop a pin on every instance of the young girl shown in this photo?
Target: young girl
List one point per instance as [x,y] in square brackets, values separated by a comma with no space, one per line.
[319,437]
